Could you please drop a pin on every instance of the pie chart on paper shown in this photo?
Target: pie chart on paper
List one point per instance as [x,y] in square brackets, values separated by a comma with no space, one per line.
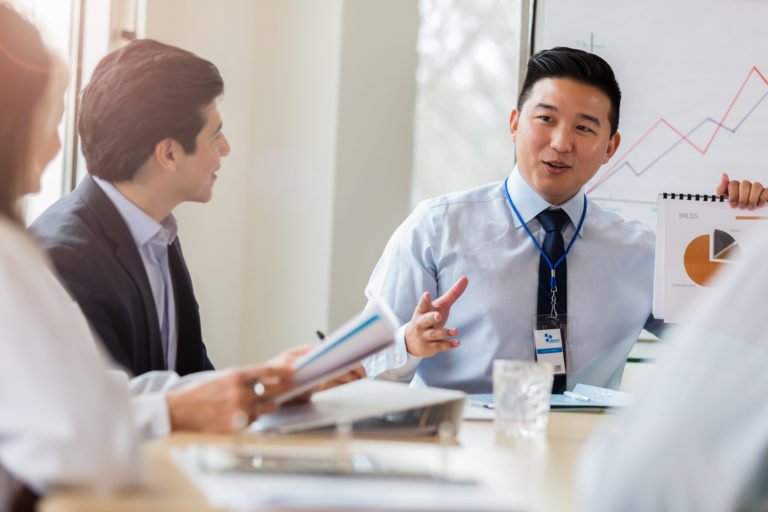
[705,255]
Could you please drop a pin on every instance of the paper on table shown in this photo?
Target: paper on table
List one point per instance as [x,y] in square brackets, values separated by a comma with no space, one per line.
[598,398]
[365,334]
[476,411]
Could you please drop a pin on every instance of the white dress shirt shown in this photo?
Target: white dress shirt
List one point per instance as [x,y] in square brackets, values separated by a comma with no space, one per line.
[152,240]
[148,397]
[63,420]
[696,436]
[475,233]
[148,391]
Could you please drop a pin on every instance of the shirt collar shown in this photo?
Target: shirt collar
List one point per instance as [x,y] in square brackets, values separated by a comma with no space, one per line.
[529,203]
[143,228]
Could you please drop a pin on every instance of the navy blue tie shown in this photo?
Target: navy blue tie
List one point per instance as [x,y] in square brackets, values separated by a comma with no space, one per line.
[553,222]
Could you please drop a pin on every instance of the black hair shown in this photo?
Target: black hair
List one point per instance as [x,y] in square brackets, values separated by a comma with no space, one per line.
[578,65]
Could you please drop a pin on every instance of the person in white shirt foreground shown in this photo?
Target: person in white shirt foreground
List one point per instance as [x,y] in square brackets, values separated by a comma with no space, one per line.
[696,437]
[63,419]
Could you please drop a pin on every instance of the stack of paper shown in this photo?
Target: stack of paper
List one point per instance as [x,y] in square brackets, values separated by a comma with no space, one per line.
[589,398]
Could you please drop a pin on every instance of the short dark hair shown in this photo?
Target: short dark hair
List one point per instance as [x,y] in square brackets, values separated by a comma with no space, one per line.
[25,67]
[140,94]
[578,65]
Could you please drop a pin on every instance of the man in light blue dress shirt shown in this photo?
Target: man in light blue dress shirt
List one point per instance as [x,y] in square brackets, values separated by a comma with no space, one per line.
[468,255]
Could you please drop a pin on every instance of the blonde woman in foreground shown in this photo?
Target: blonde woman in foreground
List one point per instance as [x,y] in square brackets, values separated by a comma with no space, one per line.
[63,419]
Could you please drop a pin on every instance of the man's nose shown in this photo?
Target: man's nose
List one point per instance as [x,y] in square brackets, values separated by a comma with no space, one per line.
[562,139]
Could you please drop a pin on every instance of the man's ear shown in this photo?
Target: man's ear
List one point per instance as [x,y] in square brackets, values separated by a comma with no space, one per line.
[514,119]
[166,153]
[613,145]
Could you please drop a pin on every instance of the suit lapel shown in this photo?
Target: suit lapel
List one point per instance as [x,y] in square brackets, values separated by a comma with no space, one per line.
[191,352]
[127,254]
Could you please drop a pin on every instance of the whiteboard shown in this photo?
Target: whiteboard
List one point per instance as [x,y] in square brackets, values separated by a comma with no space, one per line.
[694,81]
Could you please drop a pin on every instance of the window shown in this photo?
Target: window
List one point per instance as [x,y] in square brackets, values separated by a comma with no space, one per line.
[469,59]
[54,18]
[82,33]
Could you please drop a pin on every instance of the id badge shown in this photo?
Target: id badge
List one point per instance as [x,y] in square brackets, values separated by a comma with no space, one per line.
[549,339]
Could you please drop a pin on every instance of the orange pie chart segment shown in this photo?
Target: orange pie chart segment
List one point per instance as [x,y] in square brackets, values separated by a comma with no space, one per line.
[698,265]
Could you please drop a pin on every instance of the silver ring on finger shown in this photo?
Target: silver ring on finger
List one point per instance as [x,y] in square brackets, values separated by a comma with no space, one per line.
[259,389]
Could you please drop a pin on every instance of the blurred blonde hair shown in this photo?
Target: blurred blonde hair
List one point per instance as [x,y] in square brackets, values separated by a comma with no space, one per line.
[25,68]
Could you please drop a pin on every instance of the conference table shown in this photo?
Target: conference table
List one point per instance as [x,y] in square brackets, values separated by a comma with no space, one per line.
[538,472]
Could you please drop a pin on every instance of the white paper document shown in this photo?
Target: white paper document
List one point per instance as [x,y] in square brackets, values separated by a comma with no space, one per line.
[697,237]
[364,335]
[480,407]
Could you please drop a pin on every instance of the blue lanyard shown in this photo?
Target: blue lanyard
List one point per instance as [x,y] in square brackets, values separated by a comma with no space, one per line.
[552,267]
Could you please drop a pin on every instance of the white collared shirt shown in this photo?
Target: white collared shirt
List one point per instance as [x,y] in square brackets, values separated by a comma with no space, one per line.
[475,233]
[696,435]
[152,240]
[63,421]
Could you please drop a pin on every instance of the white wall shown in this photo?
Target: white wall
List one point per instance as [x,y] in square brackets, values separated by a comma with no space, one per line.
[212,235]
[374,159]
[288,230]
[318,111]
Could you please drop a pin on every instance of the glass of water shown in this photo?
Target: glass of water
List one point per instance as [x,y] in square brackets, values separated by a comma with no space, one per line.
[521,391]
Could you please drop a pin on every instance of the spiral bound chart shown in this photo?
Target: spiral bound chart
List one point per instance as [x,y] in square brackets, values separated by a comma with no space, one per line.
[697,238]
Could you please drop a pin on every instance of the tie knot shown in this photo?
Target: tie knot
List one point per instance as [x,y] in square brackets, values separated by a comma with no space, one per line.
[553,220]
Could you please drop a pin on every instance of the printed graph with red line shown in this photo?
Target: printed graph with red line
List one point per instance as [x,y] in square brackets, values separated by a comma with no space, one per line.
[694,82]
[682,140]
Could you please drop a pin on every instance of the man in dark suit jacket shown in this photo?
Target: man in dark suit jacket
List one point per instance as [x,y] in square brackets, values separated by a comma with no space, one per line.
[151,136]
[96,256]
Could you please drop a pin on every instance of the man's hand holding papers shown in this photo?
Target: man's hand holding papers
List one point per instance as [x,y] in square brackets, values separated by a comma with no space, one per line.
[289,357]
[209,406]
[337,359]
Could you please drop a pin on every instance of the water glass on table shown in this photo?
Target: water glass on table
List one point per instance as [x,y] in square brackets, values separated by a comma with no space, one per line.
[521,391]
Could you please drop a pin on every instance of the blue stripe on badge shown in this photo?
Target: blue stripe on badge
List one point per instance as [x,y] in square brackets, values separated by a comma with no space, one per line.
[549,350]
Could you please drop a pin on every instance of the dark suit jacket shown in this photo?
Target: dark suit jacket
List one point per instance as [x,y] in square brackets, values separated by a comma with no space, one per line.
[98,262]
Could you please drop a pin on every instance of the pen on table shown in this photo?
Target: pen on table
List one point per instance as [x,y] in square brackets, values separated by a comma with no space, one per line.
[480,403]
[320,335]
[576,396]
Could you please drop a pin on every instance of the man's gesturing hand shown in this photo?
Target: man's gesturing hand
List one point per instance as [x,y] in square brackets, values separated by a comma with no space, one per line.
[426,334]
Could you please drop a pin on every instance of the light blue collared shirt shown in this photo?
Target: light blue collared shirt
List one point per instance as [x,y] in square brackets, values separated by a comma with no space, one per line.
[476,233]
[152,240]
